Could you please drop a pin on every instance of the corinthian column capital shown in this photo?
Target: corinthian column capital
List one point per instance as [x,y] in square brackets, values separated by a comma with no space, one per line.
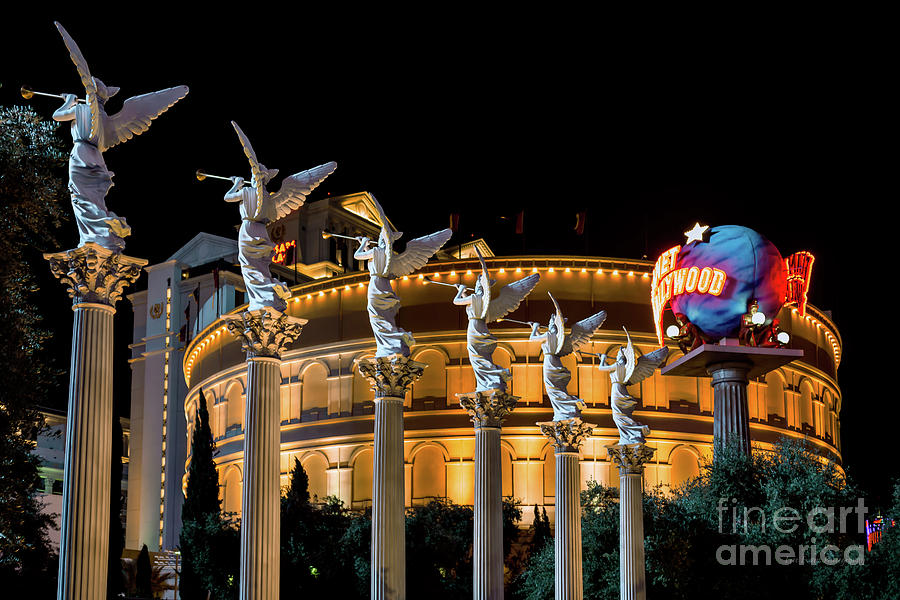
[489,408]
[390,376]
[567,435]
[94,273]
[630,458]
[264,332]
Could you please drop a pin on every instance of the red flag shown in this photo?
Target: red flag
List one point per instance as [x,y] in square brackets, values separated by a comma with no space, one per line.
[520,223]
[454,221]
[579,222]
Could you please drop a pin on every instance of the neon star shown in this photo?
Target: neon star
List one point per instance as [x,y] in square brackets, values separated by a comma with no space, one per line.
[696,234]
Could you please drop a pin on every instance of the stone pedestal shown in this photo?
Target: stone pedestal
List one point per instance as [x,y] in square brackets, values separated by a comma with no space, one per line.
[731,367]
[567,436]
[390,378]
[95,278]
[630,459]
[264,333]
[488,410]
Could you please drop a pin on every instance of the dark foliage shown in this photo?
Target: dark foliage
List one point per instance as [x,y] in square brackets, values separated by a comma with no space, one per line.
[32,188]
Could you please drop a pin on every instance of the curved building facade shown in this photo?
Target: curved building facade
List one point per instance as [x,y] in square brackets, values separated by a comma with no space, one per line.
[327,409]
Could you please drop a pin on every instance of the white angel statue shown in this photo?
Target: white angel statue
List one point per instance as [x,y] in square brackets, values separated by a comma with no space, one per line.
[630,370]
[258,208]
[384,265]
[482,308]
[94,132]
[556,344]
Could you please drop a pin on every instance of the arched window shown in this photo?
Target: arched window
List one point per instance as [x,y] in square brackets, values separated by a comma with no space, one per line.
[684,465]
[231,490]
[775,395]
[429,479]
[807,416]
[235,406]
[316,466]
[433,383]
[315,392]
[362,478]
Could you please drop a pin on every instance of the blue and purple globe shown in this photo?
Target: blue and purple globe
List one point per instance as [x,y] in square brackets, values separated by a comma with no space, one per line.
[754,270]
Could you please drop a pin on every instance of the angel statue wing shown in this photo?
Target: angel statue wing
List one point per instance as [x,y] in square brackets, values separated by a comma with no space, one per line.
[255,169]
[510,297]
[136,115]
[87,80]
[637,370]
[296,188]
[582,332]
[417,253]
[560,336]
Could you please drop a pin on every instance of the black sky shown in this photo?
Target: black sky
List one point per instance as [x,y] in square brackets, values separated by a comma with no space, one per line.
[779,129]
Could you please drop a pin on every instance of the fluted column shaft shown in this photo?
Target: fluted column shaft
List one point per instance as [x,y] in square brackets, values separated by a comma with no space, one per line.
[731,415]
[84,525]
[261,514]
[630,459]
[632,578]
[567,540]
[488,544]
[388,502]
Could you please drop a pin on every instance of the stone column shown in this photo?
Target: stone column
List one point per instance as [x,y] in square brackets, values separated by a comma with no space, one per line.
[630,459]
[264,333]
[488,409]
[731,415]
[567,436]
[95,277]
[390,378]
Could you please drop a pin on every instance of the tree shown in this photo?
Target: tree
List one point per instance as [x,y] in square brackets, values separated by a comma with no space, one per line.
[711,536]
[144,574]
[32,187]
[298,544]
[210,544]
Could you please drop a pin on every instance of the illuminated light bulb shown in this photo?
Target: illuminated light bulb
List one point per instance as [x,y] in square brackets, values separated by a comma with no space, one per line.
[550,270]
[347,288]
[534,270]
[502,270]
[616,272]
[631,273]
[309,296]
[583,270]
[783,337]
[333,290]
[469,272]
[296,300]
[436,275]
[672,330]
[568,270]
[452,273]
[646,275]
[421,276]
[406,278]
[518,269]
[599,271]
[362,284]
[758,318]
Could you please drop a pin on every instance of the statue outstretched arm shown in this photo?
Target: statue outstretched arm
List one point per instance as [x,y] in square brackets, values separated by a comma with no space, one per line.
[364,252]
[66,112]
[461,298]
[235,194]
[605,367]
[536,336]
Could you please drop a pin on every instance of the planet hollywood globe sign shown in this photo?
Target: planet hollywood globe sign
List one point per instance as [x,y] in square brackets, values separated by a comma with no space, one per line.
[714,279]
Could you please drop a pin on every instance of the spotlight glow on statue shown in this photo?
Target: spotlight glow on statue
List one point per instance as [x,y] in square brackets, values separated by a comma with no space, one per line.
[94,132]
[259,207]
[556,344]
[482,308]
[630,370]
[385,265]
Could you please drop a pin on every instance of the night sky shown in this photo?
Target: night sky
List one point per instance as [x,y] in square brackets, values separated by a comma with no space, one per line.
[440,114]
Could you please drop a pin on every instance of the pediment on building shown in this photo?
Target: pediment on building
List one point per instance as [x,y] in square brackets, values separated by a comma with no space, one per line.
[205,248]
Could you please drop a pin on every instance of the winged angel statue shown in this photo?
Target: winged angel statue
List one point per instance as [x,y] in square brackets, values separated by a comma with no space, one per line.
[556,344]
[385,265]
[259,207]
[630,370]
[483,308]
[94,132]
